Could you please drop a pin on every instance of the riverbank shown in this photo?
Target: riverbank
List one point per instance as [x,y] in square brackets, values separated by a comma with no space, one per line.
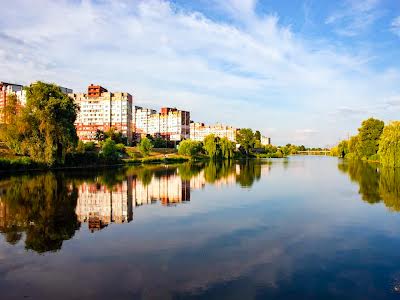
[26,164]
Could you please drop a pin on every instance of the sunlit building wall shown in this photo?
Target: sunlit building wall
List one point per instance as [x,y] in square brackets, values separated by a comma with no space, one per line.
[103,110]
[198,131]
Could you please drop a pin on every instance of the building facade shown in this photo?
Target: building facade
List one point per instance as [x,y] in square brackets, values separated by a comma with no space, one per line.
[7,89]
[265,140]
[198,131]
[170,124]
[103,110]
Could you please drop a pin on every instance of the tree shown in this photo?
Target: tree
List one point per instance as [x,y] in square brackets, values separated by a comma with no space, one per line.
[109,150]
[100,135]
[353,145]
[145,146]
[190,148]
[343,148]
[9,132]
[389,146]
[227,148]
[159,143]
[45,127]
[245,138]
[211,146]
[116,136]
[368,137]
[257,135]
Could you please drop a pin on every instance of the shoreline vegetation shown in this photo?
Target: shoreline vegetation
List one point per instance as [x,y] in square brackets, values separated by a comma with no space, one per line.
[375,143]
[42,135]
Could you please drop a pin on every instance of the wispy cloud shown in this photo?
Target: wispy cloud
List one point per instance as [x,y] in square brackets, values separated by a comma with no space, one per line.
[354,17]
[395,26]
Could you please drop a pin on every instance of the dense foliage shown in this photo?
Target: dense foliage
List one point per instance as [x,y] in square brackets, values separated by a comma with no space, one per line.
[190,148]
[145,146]
[389,146]
[365,144]
[44,128]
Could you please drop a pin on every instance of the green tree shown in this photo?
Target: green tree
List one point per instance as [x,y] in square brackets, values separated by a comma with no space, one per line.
[145,146]
[46,130]
[109,150]
[257,136]
[190,147]
[353,145]
[343,148]
[227,148]
[211,146]
[245,138]
[116,136]
[368,137]
[9,130]
[159,143]
[389,146]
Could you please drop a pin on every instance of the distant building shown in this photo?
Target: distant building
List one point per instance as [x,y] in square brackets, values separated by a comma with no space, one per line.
[103,110]
[265,140]
[198,131]
[170,124]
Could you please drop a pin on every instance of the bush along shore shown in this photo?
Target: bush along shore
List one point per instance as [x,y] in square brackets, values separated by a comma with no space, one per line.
[42,135]
[374,142]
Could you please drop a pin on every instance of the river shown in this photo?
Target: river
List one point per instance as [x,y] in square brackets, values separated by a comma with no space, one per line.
[306,227]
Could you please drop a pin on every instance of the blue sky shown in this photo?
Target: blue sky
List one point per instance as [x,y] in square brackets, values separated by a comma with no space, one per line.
[305,72]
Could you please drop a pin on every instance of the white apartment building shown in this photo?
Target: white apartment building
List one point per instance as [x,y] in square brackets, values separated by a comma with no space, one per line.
[171,124]
[103,110]
[198,131]
[265,140]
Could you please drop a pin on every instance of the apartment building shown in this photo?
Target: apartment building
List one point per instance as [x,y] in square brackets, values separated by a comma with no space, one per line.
[198,131]
[170,124]
[265,140]
[7,89]
[102,110]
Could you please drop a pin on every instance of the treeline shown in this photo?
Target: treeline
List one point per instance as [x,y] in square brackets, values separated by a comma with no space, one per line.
[374,142]
[248,144]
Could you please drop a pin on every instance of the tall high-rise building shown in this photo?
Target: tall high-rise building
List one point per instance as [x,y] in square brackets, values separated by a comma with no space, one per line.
[103,110]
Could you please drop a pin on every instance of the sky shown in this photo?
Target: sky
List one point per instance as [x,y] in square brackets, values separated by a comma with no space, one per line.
[300,71]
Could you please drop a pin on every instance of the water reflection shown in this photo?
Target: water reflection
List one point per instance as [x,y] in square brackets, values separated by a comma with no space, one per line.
[49,207]
[42,207]
[375,184]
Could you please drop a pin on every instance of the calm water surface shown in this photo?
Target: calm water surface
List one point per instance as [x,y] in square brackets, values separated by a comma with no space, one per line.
[301,228]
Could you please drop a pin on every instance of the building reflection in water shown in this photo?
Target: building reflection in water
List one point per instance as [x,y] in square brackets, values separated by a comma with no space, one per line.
[47,208]
[99,205]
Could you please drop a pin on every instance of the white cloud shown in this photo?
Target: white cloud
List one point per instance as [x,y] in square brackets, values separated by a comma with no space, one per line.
[395,26]
[354,17]
[259,74]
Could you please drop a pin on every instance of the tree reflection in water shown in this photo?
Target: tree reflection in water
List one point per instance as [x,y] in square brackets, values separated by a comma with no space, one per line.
[376,184]
[47,208]
[42,207]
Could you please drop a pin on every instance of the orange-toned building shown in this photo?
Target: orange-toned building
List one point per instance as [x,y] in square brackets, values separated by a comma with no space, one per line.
[103,110]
